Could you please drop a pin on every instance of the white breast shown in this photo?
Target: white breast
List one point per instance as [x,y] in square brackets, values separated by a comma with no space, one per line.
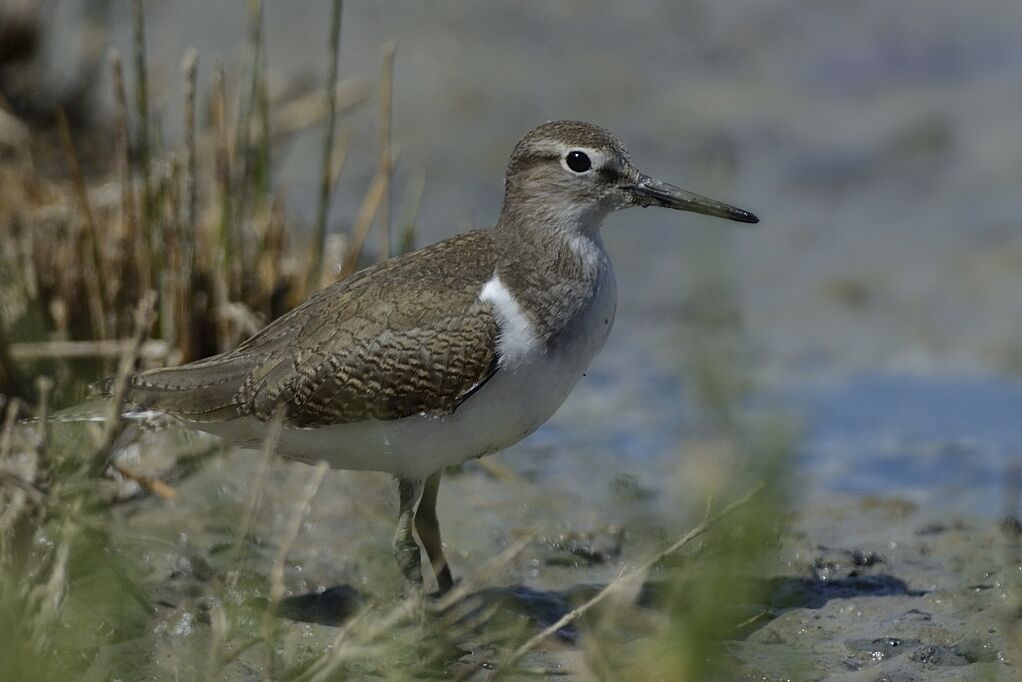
[518,340]
[528,387]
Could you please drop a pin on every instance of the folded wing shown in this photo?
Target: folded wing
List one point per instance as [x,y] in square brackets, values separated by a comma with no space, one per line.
[408,336]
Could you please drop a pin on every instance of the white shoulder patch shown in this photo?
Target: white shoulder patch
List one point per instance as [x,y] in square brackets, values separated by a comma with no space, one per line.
[517,334]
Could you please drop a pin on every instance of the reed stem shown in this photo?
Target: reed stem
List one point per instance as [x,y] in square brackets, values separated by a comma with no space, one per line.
[91,261]
[326,182]
[386,143]
[143,141]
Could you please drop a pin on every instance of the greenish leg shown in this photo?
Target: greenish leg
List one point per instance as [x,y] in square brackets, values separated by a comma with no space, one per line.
[428,527]
[406,550]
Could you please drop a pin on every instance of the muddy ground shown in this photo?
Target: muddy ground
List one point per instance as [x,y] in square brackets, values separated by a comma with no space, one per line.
[856,588]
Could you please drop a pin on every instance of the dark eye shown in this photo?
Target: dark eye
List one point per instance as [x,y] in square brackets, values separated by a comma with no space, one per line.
[578,161]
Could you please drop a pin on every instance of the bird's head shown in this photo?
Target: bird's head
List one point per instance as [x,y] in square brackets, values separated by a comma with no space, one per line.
[575,173]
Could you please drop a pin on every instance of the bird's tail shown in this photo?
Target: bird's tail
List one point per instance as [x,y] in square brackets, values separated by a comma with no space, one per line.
[93,410]
[98,410]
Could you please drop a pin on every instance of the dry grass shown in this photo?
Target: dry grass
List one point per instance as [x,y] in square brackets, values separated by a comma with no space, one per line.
[198,223]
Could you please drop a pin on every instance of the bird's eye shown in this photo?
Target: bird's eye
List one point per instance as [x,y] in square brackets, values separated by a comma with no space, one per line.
[578,161]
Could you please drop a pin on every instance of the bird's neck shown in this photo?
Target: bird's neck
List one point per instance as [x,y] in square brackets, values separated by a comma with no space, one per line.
[553,261]
[546,214]
[562,241]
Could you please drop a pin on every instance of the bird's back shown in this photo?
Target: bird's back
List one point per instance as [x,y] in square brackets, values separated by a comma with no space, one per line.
[406,336]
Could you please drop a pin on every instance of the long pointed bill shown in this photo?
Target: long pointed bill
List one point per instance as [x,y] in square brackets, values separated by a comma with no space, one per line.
[651,192]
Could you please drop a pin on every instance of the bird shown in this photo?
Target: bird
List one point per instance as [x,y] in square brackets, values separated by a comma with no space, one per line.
[444,354]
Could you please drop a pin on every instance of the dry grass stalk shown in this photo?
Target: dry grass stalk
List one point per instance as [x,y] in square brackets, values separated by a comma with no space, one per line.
[336,245]
[190,68]
[304,111]
[386,144]
[10,419]
[27,266]
[626,577]
[129,212]
[44,389]
[17,523]
[255,498]
[340,154]
[151,485]
[326,181]
[493,468]
[750,621]
[277,571]
[220,628]
[112,423]
[363,223]
[142,98]
[220,265]
[269,268]
[370,632]
[46,598]
[249,156]
[485,574]
[152,350]
[172,299]
[93,263]
[265,131]
[362,636]
[410,214]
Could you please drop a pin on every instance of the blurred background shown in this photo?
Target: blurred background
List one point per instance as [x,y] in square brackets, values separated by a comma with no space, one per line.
[875,311]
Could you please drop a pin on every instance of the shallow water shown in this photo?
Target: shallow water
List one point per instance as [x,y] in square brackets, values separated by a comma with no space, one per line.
[946,443]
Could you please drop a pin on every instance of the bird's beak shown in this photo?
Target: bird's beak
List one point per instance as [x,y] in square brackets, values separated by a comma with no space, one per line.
[647,191]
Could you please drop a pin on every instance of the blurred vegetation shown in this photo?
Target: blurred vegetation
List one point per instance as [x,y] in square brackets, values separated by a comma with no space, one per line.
[123,213]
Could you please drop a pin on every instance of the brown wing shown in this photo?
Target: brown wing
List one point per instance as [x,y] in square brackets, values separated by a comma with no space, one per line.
[408,336]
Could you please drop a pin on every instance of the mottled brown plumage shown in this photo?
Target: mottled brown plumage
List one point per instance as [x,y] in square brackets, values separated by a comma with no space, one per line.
[407,336]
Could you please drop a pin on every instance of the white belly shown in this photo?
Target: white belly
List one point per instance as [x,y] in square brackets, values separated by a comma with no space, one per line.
[507,408]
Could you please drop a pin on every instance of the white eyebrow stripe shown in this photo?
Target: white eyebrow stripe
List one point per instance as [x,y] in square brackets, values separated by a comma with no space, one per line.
[598,157]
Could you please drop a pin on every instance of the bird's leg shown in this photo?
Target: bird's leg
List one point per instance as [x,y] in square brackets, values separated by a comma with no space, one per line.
[428,527]
[406,551]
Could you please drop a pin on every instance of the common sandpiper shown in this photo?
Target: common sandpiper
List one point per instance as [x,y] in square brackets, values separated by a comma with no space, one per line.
[454,351]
